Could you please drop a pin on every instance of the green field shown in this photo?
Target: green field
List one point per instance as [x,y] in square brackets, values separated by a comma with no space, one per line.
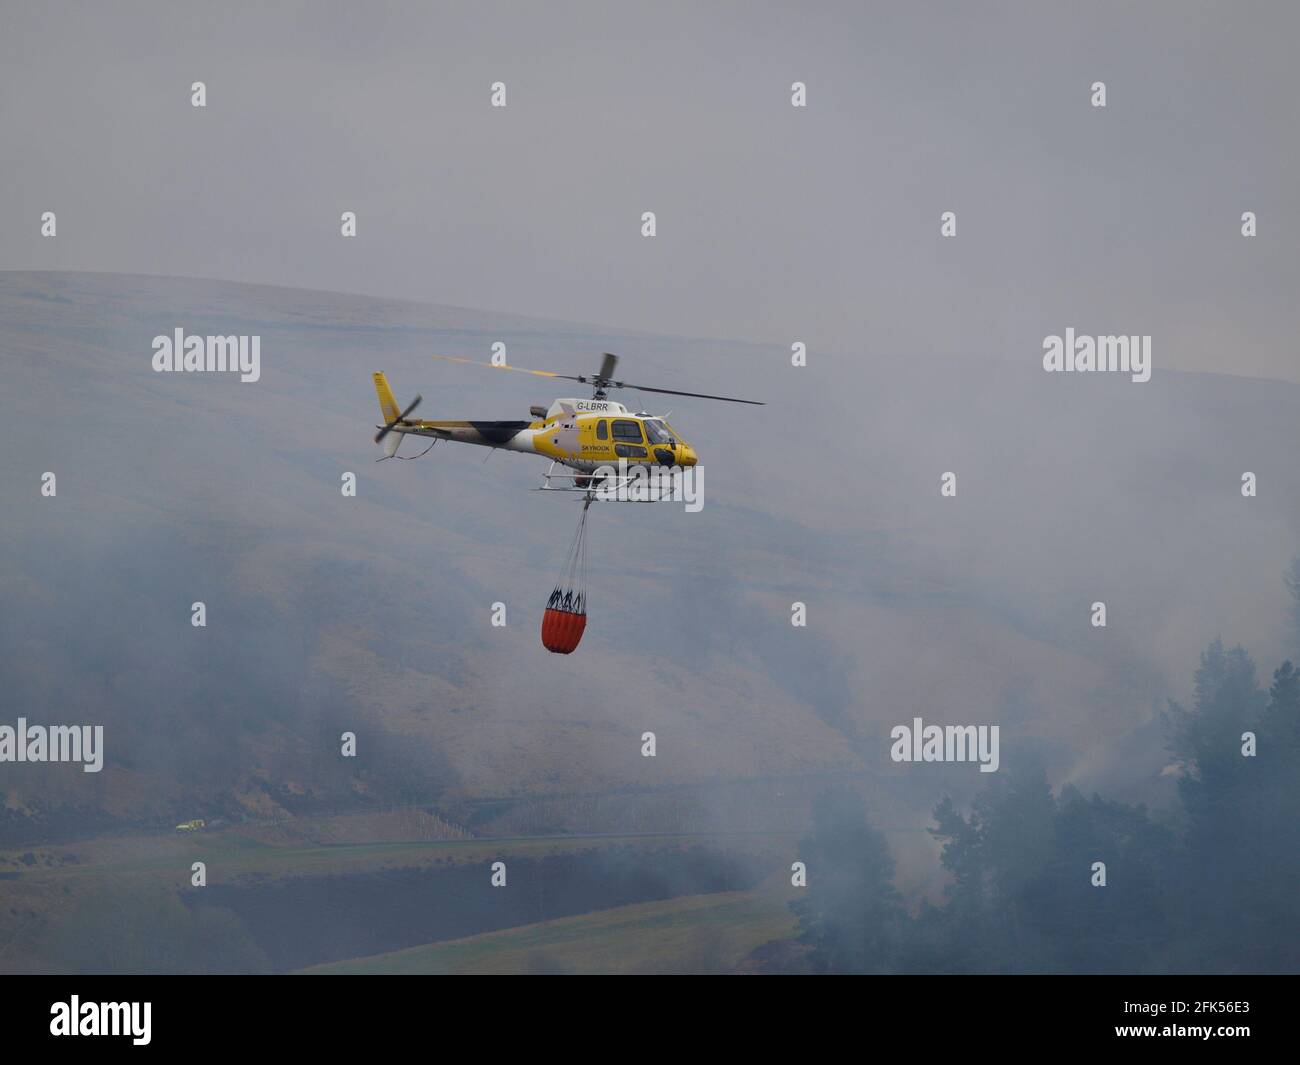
[696,933]
[230,854]
[52,895]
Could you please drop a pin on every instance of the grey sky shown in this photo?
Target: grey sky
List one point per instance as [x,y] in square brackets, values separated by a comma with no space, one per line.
[775,224]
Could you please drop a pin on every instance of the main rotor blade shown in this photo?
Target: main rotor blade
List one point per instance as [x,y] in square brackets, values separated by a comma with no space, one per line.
[601,380]
[517,369]
[696,395]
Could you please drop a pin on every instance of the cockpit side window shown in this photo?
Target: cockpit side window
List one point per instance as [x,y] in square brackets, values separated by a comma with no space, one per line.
[626,429]
[657,432]
[602,430]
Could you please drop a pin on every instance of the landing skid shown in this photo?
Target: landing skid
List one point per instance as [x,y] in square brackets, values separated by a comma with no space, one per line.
[602,488]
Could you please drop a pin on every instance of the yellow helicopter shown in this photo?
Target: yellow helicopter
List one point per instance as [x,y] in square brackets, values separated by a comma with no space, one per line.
[587,436]
[598,439]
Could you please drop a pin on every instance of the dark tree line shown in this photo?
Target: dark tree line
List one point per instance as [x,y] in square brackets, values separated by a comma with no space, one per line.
[1216,889]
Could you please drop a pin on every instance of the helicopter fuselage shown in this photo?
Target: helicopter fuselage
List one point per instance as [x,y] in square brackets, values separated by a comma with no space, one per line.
[583,434]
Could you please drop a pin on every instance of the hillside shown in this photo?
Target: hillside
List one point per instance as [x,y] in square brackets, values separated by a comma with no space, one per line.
[328,614]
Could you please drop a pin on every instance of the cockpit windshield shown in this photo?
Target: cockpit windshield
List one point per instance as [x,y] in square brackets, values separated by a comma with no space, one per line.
[657,432]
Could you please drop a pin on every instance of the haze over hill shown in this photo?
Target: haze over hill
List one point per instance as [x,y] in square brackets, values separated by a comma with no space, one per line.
[819,223]
[372,614]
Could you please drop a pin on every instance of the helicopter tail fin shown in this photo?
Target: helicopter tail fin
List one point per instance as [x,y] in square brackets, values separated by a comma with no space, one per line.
[390,434]
[387,402]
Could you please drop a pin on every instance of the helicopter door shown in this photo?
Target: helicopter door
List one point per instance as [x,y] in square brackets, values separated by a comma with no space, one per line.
[566,437]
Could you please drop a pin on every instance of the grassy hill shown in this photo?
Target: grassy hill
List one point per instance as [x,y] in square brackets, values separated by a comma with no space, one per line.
[371,615]
[129,904]
[692,934]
